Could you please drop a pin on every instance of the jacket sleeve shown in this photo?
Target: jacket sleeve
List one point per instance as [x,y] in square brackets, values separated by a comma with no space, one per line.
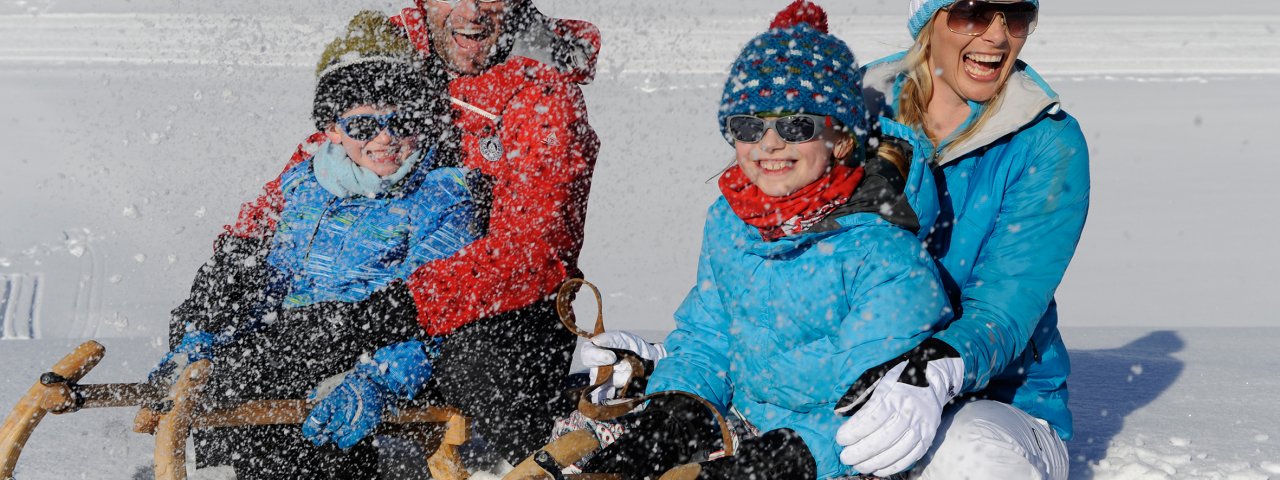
[536,218]
[696,359]
[443,236]
[229,292]
[257,218]
[1025,255]
[896,300]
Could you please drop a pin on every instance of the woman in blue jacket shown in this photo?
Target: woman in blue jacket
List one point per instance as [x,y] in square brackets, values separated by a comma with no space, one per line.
[1013,193]
[810,273]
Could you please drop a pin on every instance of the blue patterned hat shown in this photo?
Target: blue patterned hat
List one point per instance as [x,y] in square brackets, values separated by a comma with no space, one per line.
[796,67]
[919,12]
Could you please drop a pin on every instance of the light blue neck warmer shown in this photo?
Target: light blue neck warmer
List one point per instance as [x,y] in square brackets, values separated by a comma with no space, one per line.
[338,174]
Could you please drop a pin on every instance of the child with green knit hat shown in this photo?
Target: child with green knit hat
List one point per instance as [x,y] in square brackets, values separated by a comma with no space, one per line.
[382,196]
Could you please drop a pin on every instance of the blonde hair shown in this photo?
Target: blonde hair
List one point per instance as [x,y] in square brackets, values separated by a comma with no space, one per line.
[917,90]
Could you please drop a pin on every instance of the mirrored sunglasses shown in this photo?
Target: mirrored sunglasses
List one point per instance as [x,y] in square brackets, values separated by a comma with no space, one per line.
[974,17]
[796,128]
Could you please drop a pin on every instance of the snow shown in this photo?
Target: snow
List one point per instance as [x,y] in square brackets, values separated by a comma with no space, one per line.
[134,128]
[1199,406]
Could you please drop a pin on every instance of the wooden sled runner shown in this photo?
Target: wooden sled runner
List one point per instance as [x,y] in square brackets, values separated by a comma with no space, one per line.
[171,415]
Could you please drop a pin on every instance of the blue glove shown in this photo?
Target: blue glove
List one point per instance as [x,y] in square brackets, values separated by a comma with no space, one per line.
[195,346]
[353,409]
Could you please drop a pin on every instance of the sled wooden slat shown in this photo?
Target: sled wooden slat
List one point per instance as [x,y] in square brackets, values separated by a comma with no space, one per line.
[113,395]
[175,426]
[566,450]
[262,412]
[42,398]
[294,412]
[446,463]
[683,472]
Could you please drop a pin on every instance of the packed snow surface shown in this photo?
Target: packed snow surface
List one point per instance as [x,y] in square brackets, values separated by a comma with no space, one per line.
[1190,403]
[133,129]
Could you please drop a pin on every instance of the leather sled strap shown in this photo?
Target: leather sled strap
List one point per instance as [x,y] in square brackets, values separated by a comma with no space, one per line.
[621,404]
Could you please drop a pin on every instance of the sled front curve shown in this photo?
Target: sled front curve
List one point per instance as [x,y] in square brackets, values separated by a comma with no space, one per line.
[50,393]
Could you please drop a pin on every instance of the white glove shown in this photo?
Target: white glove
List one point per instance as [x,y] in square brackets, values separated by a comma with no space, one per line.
[596,354]
[896,425]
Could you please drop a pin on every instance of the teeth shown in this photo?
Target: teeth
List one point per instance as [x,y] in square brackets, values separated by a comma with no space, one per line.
[468,31]
[978,57]
[775,165]
[978,71]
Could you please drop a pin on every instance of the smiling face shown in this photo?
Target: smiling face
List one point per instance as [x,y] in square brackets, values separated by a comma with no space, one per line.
[972,67]
[465,33]
[779,168]
[382,155]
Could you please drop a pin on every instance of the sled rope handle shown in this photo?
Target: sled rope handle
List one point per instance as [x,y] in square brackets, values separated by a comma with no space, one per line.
[623,405]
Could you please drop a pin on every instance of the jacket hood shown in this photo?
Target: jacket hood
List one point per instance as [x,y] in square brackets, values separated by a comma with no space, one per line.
[1026,97]
[569,47]
[881,193]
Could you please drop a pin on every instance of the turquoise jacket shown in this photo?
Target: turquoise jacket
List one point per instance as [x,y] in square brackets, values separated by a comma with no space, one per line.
[1012,202]
[779,330]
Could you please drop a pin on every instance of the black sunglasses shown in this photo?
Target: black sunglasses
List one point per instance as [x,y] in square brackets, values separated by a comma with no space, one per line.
[974,17]
[796,128]
[366,127]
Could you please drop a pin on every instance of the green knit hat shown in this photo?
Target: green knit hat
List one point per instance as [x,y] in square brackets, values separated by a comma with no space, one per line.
[374,63]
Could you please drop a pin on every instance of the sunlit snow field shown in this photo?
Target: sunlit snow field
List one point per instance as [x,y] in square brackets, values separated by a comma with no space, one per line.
[132,130]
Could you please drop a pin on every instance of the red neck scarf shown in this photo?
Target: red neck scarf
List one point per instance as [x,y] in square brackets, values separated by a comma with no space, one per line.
[777,217]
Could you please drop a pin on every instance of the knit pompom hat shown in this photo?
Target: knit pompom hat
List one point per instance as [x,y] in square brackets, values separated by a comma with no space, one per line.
[796,67]
[374,63]
[921,11]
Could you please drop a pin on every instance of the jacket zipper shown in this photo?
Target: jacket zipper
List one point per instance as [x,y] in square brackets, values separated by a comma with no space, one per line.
[306,259]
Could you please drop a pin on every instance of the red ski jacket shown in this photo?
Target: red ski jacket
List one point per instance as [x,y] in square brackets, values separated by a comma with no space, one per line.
[524,124]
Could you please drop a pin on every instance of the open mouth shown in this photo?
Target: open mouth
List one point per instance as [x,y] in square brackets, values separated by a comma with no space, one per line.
[470,38]
[391,155]
[982,66]
[776,166]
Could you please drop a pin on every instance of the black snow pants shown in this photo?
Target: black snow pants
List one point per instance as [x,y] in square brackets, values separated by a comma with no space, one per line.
[506,373]
[677,430]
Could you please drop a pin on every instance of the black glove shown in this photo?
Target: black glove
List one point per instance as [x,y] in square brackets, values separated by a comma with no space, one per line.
[776,455]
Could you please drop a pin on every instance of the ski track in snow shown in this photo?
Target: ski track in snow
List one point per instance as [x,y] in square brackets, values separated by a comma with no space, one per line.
[1122,47]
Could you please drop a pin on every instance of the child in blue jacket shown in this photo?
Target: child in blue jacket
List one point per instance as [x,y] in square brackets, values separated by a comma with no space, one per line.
[381,197]
[811,272]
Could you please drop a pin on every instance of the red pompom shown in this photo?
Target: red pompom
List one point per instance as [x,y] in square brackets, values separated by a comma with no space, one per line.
[801,11]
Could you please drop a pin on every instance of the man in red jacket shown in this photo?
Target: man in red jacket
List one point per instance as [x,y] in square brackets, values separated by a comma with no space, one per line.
[514,83]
